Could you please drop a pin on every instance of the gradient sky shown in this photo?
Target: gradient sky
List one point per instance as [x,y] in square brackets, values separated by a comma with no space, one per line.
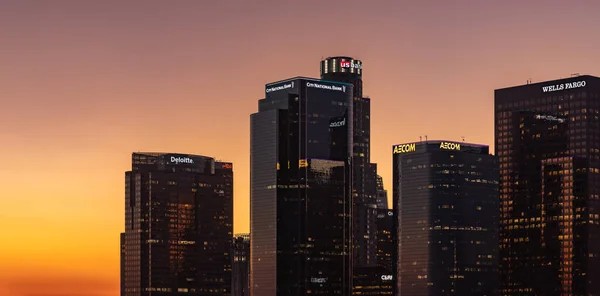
[85,83]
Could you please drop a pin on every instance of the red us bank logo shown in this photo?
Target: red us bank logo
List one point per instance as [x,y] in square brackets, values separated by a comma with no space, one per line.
[349,64]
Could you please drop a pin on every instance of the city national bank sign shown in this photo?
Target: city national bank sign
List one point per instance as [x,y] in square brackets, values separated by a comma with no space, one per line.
[280,87]
[341,88]
[564,86]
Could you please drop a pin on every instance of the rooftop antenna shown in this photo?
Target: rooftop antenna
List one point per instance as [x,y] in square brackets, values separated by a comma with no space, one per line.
[420,139]
[425,138]
[463,138]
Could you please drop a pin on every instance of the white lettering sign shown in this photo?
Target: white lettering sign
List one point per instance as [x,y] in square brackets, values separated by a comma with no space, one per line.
[549,117]
[386,277]
[338,123]
[179,160]
[280,87]
[318,280]
[325,86]
[564,86]
[349,64]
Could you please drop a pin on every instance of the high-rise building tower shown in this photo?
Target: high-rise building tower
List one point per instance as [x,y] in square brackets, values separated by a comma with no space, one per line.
[385,240]
[178,226]
[349,70]
[547,138]
[372,280]
[241,265]
[300,180]
[382,196]
[446,207]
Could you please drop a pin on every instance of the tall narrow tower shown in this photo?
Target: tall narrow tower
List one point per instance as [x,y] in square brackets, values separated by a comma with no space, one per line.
[349,70]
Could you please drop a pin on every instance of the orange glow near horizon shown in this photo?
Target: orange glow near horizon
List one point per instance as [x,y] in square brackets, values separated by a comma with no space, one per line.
[83,85]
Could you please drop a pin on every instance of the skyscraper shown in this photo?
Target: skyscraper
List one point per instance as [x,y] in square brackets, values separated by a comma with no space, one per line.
[178,226]
[241,265]
[300,180]
[372,280]
[382,196]
[385,240]
[446,207]
[349,70]
[547,138]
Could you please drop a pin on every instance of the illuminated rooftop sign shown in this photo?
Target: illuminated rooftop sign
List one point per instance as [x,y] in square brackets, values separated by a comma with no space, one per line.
[349,64]
[326,86]
[280,87]
[404,148]
[564,86]
[178,160]
[450,146]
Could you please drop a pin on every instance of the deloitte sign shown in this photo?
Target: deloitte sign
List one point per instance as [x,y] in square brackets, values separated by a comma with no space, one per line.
[180,160]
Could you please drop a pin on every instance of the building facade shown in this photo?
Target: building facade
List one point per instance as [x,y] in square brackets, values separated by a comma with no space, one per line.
[241,265]
[178,226]
[372,280]
[382,195]
[385,241]
[547,138]
[300,180]
[445,197]
[365,193]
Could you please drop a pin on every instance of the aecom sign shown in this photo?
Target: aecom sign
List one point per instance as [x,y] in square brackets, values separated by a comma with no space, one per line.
[404,148]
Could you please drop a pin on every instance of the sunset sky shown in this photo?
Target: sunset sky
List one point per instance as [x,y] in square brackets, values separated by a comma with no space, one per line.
[83,84]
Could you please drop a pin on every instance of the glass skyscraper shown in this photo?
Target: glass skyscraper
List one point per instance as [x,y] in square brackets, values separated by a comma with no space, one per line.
[365,178]
[300,180]
[178,226]
[241,265]
[547,138]
[445,197]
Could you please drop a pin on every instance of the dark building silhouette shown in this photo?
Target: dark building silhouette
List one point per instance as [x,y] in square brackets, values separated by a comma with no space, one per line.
[241,265]
[547,138]
[372,280]
[382,196]
[385,241]
[122,261]
[445,197]
[300,180]
[365,193]
[178,226]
